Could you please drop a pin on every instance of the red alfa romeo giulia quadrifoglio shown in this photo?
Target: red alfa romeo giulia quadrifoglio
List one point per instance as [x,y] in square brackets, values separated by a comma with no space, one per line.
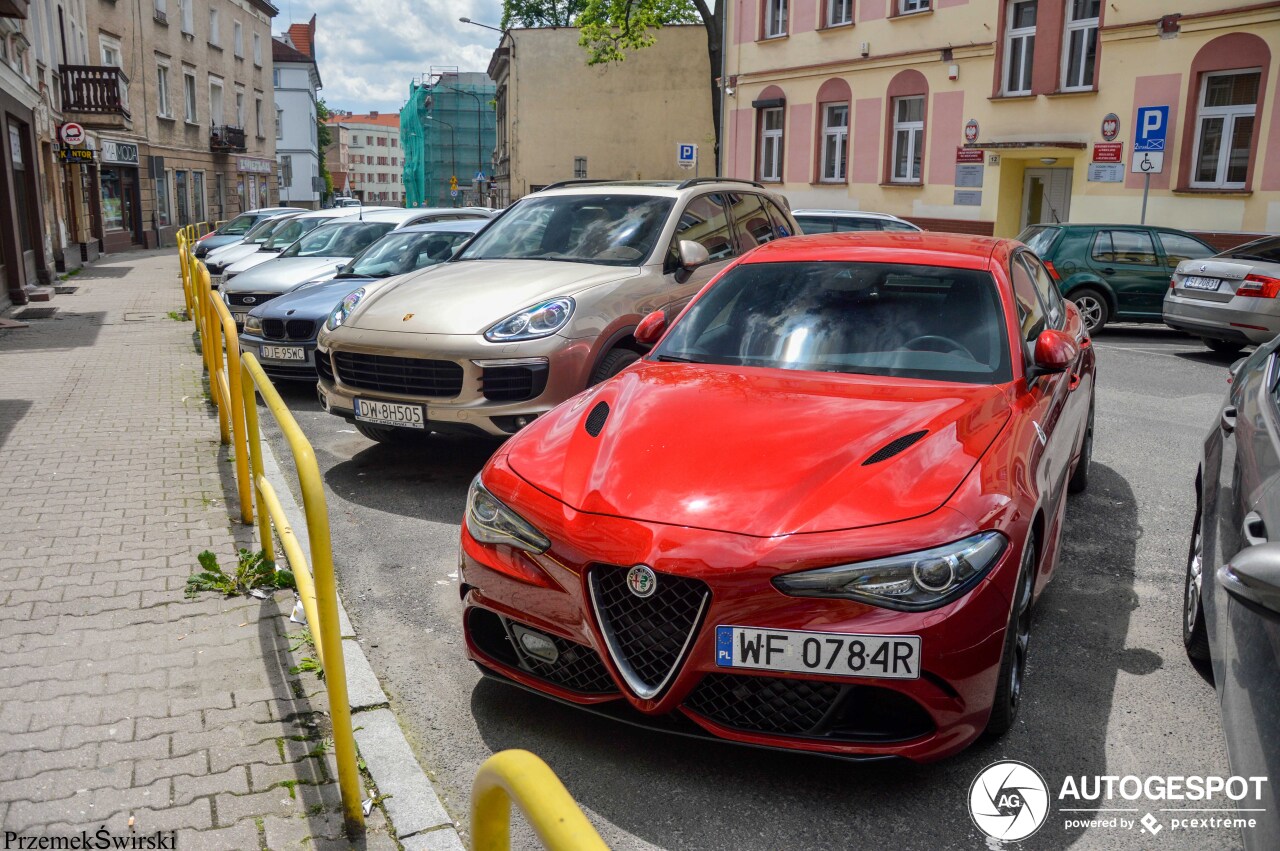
[816,516]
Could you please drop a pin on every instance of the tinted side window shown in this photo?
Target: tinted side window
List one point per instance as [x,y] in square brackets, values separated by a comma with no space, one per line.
[1178,248]
[845,224]
[889,224]
[816,224]
[1047,289]
[1124,246]
[1030,314]
[706,222]
[751,224]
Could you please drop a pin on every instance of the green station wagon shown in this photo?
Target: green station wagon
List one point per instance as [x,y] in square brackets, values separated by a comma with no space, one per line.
[1114,272]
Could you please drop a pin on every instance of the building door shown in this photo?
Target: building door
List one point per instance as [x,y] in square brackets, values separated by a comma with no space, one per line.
[1046,196]
[180,190]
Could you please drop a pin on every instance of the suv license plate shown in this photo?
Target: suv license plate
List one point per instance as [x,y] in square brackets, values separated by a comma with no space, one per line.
[284,352]
[390,414]
[893,657]
[1193,282]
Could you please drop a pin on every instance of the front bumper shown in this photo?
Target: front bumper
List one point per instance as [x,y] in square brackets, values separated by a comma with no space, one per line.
[563,366]
[282,370]
[1241,320]
[921,719]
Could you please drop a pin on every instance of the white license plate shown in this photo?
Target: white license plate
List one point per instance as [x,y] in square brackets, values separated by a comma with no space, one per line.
[390,414]
[1194,282]
[284,352]
[893,657]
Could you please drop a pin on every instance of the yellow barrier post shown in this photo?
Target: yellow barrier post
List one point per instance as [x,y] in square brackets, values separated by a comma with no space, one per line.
[517,775]
[322,615]
[230,372]
[211,343]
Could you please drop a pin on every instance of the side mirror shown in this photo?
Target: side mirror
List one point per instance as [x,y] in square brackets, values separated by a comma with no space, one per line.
[1253,576]
[692,255]
[1055,351]
[651,328]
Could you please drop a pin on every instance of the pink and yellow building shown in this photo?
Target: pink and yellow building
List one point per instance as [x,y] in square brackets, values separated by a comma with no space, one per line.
[982,116]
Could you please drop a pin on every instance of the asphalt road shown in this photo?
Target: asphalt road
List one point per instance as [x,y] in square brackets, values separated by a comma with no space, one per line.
[1109,690]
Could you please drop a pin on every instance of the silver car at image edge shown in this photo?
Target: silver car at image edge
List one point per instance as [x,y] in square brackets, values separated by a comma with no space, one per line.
[1230,300]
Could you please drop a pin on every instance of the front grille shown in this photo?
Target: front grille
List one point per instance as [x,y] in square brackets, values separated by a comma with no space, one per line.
[323,367]
[647,636]
[809,708]
[292,329]
[410,376]
[577,667]
[513,383]
[305,372]
[250,299]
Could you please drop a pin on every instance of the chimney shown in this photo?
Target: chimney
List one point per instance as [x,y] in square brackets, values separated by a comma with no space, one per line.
[373,115]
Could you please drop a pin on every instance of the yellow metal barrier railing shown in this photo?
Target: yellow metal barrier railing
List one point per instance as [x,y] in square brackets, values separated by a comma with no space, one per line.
[316,584]
[519,776]
[225,380]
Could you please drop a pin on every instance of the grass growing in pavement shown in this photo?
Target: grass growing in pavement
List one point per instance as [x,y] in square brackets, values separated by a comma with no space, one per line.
[253,571]
[177,315]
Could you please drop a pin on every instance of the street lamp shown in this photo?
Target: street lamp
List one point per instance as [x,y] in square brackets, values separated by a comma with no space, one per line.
[478,24]
[453,158]
[479,125]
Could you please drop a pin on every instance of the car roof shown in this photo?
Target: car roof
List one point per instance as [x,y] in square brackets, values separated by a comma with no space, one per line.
[1109,226]
[661,188]
[338,212]
[853,214]
[455,226]
[262,210]
[961,251]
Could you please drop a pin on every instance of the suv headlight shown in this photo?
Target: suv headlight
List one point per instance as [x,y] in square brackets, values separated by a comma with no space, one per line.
[541,320]
[340,313]
[912,582]
[491,522]
[253,324]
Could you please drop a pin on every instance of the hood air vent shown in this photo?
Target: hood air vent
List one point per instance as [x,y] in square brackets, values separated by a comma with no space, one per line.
[892,448]
[595,419]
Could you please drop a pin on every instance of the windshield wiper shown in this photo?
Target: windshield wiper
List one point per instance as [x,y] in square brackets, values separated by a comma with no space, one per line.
[349,275]
[677,359]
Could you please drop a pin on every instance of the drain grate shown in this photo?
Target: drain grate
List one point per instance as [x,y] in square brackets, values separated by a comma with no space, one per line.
[65,290]
[36,313]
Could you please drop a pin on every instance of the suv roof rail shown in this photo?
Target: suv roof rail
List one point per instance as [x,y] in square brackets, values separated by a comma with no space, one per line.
[575,182]
[696,181]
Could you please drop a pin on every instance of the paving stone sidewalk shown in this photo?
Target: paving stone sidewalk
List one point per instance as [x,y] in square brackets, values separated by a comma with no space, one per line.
[119,698]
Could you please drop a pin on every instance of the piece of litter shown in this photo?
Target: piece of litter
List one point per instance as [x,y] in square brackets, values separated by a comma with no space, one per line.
[453,575]
[180,637]
[367,805]
[259,593]
[346,431]
[299,614]
[246,623]
[441,582]
[131,822]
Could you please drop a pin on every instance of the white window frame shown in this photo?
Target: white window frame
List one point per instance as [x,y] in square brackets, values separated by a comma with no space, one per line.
[914,130]
[217,112]
[839,12]
[1228,114]
[1080,25]
[839,133]
[162,88]
[257,49]
[771,144]
[188,17]
[775,18]
[215,27]
[190,107]
[911,7]
[237,39]
[1026,69]
[279,122]
[240,106]
[162,7]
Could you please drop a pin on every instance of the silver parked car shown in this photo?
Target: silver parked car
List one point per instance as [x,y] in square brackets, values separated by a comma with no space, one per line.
[1230,300]
[542,303]
[840,221]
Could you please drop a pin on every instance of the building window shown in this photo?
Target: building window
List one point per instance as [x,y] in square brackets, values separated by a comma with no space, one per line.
[189,96]
[275,78]
[908,139]
[1080,56]
[112,57]
[161,8]
[188,17]
[215,34]
[197,195]
[393,142]
[839,12]
[257,116]
[279,123]
[240,109]
[1224,129]
[162,90]
[237,39]
[775,18]
[257,49]
[579,166]
[215,102]
[1019,46]
[908,7]
[286,169]
[771,143]
[835,141]
[162,200]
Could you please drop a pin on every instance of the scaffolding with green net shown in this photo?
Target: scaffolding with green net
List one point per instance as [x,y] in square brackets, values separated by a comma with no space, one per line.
[447,132]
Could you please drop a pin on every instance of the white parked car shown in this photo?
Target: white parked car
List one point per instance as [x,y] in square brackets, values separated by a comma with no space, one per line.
[840,221]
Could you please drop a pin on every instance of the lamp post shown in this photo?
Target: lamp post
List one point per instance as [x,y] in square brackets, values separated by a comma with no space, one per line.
[479,125]
[453,159]
[478,24]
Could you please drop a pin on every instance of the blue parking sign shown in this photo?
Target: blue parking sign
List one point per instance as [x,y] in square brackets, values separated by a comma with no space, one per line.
[686,155]
[1152,128]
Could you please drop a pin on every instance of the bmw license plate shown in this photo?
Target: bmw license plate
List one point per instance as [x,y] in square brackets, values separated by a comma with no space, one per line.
[390,414]
[284,352]
[1194,282]
[894,657]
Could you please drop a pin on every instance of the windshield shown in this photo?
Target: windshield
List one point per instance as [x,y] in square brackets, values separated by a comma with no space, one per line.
[612,230]
[398,253]
[928,322]
[344,239]
[287,235]
[1266,249]
[263,229]
[1038,238]
[239,225]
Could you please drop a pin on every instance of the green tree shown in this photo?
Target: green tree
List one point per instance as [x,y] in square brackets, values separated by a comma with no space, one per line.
[324,137]
[540,13]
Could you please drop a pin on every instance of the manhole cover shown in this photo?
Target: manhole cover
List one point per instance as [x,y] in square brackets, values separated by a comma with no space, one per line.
[65,290]
[36,313]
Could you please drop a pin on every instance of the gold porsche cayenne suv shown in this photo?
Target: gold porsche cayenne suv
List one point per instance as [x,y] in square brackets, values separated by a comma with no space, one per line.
[540,304]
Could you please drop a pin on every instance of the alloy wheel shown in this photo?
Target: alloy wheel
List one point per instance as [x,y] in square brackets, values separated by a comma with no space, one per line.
[1022,628]
[1090,311]
[1195,567]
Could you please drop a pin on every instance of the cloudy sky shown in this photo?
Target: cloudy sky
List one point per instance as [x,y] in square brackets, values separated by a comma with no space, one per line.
[369,50]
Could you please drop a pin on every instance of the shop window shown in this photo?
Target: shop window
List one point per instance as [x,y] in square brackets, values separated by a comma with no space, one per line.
[770,167]
[1019,46]
[908,139]
[1080,45]
[835,141]
[1228,106]
[775,18]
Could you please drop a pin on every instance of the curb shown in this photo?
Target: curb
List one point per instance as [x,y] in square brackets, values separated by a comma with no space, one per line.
[414,809]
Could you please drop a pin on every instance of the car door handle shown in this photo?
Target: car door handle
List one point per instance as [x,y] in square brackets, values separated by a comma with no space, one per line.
[1074,383]
[1254,529]
[1228,419]
[1108,271]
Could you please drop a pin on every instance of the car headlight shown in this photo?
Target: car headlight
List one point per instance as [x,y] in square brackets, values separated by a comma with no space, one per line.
[253,324]
[911,582]
[541,320]
[340,313]
[491,522]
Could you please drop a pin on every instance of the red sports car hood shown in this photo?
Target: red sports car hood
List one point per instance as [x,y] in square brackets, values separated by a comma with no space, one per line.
[760,452]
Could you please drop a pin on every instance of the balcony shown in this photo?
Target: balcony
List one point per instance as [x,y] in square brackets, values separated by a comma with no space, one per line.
[95,96]
[226,139]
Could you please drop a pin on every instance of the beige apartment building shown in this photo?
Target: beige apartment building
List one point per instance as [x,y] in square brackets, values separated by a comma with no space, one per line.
[374,160]
[559,118]
[180,97]
[985,116]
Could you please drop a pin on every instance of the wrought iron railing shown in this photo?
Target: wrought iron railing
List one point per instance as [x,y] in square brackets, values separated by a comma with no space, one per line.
[227,138]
